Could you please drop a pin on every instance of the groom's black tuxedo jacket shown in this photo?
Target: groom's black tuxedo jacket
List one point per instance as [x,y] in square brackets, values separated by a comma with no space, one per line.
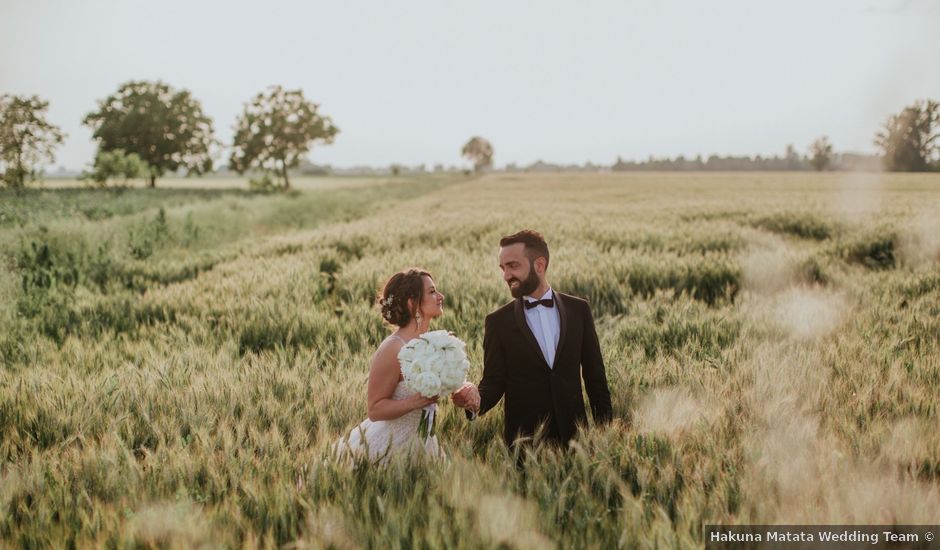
[513,365]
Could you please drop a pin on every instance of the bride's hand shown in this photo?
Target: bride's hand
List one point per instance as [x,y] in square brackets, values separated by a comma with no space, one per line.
[418,401]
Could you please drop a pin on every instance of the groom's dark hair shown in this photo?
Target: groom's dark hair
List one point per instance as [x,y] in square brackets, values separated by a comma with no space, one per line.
[535,245]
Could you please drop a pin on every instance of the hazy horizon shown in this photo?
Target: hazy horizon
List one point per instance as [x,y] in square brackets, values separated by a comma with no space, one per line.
[410,82]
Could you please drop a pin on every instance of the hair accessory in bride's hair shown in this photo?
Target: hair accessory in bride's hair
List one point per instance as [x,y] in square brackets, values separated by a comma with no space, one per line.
[387,304]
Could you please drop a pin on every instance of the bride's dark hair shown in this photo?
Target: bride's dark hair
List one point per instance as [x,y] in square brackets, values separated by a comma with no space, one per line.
[394,296]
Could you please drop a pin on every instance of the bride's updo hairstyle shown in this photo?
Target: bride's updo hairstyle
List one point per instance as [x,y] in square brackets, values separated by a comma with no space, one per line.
[401,287]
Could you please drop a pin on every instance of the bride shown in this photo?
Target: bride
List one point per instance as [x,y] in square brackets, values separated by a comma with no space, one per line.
[408,301]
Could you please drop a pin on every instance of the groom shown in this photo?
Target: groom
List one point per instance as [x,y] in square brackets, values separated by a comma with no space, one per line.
[536,349]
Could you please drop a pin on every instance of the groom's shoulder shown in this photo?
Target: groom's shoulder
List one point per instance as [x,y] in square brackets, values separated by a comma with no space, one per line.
[504,311]
[573,302]
[569,299]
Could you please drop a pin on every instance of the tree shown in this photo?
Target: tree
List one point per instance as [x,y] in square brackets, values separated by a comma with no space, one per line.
[116,164]
[480,152]
[911,140]
[276,130]
[820,153]
[166,128]
[792,158]
[26,138]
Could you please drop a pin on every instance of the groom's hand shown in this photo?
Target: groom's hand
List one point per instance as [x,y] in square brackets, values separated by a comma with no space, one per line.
[467,397]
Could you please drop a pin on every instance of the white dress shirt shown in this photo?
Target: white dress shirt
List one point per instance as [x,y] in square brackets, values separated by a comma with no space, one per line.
[545,325]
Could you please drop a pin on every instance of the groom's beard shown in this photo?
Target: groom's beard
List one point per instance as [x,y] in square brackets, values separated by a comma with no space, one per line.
[525,287]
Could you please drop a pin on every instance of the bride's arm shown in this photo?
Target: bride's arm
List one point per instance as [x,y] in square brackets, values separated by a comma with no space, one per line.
[383,378]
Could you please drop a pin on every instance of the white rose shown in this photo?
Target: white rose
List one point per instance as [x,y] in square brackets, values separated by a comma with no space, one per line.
[427,384]
[406,354]
[418,346]
[452,378]
[452,355]
[437,338]
[458,372]
[422,360]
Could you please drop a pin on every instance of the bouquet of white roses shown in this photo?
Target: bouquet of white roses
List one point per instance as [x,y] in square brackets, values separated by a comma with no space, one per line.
[433,364]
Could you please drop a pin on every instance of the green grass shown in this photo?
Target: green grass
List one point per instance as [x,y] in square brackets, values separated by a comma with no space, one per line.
[44,205]
[175,368]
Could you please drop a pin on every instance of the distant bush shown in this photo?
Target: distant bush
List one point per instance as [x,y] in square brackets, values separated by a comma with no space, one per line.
[147,237]
[51,312]
[140,275]
[116,166]
[713,279]
[607,295]
[51,268]
[54,267]
[125,313]
[329,270]
[662,328]
[710,280]
[920,285]
[353,248]
[688,241]
[14,342]
[262,184]
[812,272]
[799,224]
[47,265]
[259,333]
[875,250]
[43,206]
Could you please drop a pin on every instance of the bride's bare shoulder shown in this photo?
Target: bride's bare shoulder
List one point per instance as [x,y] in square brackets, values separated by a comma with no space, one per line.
[385,360]
[388,350]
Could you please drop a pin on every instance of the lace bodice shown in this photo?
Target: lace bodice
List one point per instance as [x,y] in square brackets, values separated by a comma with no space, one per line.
[381,438]
[408,421]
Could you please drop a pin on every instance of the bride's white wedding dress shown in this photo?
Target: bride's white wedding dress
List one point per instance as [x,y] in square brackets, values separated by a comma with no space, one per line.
[380,439]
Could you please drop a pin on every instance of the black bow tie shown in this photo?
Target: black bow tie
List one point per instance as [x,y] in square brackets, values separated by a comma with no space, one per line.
[548,302]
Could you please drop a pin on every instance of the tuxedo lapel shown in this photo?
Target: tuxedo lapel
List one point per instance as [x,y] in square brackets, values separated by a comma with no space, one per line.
[526,331]
[563,322]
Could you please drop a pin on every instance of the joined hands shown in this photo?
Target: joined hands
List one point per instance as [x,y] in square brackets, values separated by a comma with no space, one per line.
[467,397]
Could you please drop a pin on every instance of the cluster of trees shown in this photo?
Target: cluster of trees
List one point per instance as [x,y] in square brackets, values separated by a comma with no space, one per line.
[148,129]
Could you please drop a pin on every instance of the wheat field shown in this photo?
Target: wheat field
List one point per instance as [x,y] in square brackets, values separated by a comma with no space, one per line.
[177,362]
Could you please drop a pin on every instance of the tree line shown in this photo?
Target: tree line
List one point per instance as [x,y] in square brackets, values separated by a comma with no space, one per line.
[148,129]
[909,142]
[820,156]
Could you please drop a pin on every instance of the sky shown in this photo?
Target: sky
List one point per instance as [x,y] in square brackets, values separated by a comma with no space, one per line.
[410,81]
